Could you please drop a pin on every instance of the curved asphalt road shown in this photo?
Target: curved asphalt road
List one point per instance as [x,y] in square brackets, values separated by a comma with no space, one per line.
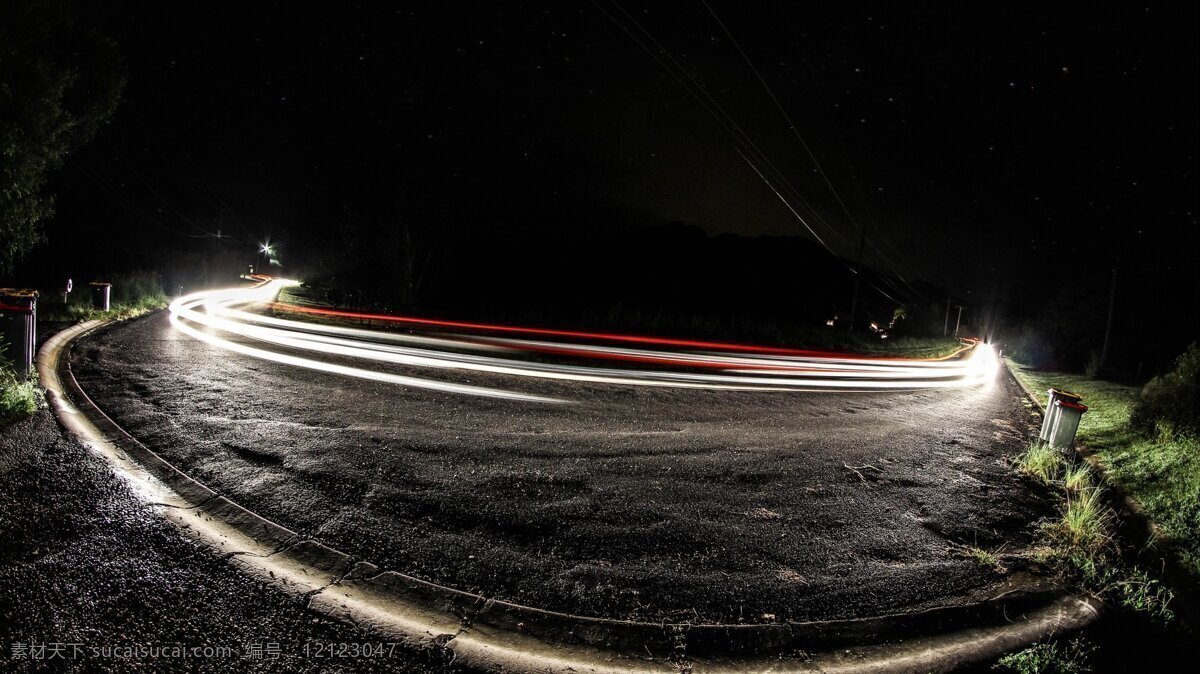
[634,502]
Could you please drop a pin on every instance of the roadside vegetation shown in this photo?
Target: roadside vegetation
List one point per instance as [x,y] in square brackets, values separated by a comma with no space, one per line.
[20,396]
[1147,441]
[910,347]
[988,559]
[1054,657]
[1042,462]
[133,294]
[1082,543]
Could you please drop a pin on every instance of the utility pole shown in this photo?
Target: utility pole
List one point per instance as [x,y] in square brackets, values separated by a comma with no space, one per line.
[946,325]
[862,242]
[957,322]
[1112,299]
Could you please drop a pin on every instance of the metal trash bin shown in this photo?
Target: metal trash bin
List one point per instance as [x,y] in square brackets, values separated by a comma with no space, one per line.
[101,295]
[1066,423]
[18,327]
[1052,410]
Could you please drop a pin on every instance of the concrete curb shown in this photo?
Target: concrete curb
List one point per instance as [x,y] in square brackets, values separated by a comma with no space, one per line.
[495,635]
[1028,393]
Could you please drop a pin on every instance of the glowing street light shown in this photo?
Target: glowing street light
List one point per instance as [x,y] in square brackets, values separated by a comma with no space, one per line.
[266,251]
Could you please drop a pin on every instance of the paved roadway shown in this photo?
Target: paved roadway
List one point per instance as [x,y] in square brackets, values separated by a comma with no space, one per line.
[630,502]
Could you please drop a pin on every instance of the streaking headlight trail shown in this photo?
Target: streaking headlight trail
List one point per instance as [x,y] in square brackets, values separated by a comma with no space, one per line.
[215,316]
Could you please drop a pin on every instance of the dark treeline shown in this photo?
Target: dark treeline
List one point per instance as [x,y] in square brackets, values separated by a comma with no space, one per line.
[609,268]
[664,278]
[1061,324]
[405,239]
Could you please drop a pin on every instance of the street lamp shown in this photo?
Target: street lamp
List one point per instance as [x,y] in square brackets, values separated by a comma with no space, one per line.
[265,251]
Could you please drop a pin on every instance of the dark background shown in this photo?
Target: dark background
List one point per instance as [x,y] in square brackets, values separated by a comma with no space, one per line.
[578,163]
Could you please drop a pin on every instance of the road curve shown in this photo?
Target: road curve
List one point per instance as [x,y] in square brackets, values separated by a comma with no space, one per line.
[632,501]
[705,365]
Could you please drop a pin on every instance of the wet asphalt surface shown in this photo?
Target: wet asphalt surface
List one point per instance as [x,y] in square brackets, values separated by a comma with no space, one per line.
[633,503]
[94,580]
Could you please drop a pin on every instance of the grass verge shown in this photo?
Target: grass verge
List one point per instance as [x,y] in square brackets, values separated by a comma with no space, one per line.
[133,294]
[1081,544]
[1162,473]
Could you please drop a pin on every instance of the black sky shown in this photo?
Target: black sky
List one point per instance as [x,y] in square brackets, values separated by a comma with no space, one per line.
[975,142]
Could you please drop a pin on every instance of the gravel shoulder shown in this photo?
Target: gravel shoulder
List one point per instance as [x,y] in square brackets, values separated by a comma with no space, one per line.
[630,503]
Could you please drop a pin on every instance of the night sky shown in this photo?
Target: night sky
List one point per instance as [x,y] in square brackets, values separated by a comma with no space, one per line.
[974,143]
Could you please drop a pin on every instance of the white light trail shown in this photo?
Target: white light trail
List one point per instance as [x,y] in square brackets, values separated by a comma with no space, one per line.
[206,315]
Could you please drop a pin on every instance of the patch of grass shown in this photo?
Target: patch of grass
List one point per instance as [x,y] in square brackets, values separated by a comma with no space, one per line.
[78,313]
[984,558]
[1049,658]
[1077,479]
[1108,402]
[1135,590]
[1161,471]
[1164,477]
[1087,523]
[1081,543]
[1042,461]
[19,397]
[1081,547]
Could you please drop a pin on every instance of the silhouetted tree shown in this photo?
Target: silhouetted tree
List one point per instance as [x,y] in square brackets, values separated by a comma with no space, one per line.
[59,81]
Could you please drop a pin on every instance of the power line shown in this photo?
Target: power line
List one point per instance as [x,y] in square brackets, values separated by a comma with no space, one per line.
[738,140]
[743,144]
[735,132]
[125,203]
[741,141]
[808,150]
[779,106]
[155,192]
